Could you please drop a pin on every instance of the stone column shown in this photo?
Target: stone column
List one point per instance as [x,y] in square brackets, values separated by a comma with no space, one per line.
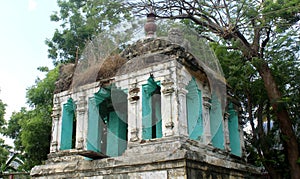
[206,116]
[226,132]
[167,107]
[80,118]
[56,111]
[133,134]
[182,126]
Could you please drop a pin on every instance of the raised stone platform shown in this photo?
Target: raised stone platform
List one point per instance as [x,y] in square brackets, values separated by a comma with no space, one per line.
[174,157]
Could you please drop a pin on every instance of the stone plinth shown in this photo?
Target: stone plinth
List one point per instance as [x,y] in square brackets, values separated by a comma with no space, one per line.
[173,157]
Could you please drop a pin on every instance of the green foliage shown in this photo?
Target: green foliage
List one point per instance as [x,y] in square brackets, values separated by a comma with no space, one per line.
[282,13]
[4,149]
[31,129]
[35,137]
[247,86]
[13,128]
[4,152]
[35,125]
[2,113]
[41,94]
[80,21]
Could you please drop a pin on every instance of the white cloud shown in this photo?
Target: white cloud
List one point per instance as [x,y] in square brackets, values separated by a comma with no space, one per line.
[32,5]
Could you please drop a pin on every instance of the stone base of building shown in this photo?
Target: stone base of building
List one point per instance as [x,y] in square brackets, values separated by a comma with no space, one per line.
[166,158]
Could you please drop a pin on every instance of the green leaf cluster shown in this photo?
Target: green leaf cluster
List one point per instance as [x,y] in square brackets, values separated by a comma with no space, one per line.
[31,129]
[2,113]
[3,147]
[281,13]
[80,21]
[4,153]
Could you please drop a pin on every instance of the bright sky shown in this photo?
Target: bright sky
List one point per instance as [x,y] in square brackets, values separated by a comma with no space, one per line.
[25,24]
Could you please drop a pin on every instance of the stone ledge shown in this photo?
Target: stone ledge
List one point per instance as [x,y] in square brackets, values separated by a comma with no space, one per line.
[152,155]
[124,166]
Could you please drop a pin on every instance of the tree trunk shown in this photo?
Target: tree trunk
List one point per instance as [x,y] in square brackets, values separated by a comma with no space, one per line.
[285,124]
[264,146]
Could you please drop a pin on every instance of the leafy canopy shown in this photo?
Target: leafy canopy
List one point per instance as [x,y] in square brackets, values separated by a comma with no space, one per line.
[31,129]
[80,21]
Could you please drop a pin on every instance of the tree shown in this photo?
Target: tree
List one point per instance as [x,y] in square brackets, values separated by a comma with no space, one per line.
[247,27]
[35,137]
[13,128]
[4,149]
[36,124]
[81,21]
[249,89]
[2,113]
[32,129]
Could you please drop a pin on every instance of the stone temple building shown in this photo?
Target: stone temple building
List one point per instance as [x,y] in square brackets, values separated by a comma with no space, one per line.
[163,113]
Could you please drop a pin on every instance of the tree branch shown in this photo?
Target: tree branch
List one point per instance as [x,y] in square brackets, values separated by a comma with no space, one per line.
[256,37]
[265,41]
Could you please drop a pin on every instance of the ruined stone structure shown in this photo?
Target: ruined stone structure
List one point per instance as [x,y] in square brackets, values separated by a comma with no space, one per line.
[162,115]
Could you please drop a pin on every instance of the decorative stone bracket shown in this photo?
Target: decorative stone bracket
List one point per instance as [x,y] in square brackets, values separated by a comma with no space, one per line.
[168,87]
[133,94]
[81,104]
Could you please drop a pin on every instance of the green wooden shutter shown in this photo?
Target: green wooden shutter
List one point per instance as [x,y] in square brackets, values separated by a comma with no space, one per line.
[113,142]
[150,109]
[67,125]
[234,134]
[216,122]
[146,113]
[94,127]
[158,122]
[116,139]
[194,110]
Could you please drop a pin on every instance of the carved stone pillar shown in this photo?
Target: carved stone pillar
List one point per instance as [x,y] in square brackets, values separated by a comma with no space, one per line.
[55,122]
[167,107]
[206,116]
[226,132]
[183,129]
[133,126]
[80,117]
